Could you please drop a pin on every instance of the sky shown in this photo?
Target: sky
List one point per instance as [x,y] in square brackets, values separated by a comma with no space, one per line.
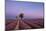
[30,9]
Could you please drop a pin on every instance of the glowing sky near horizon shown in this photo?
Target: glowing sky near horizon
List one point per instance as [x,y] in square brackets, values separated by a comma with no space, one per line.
[30,9]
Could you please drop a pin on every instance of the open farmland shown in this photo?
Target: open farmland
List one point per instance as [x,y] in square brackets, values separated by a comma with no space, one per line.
[24,24]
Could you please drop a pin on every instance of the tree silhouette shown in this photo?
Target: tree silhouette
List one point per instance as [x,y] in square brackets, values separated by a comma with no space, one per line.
[21,15]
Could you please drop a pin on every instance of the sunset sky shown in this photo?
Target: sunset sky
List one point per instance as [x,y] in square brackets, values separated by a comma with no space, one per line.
[30,9]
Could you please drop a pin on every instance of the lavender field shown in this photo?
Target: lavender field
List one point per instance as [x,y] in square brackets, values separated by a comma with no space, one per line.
[24,24]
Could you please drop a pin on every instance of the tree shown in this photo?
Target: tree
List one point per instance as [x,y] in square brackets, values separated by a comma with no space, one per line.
[21,15]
